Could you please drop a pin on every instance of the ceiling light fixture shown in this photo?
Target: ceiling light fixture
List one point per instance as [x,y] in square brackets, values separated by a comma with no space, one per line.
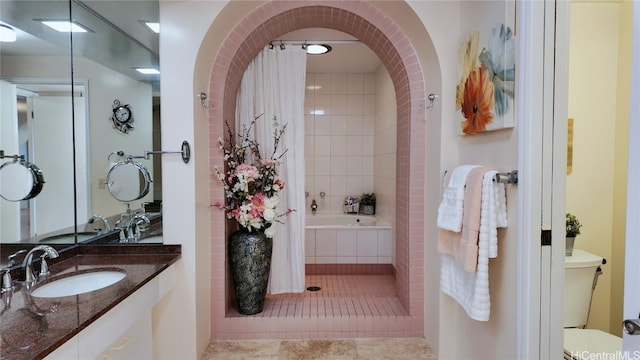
[148,71]
[7,34]
[154,26]
[318,49]
[65,26]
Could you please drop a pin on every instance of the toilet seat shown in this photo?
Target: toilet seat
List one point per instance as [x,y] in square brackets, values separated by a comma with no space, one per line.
[582,344]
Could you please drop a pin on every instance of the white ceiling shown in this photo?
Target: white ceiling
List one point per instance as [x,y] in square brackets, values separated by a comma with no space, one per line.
[349,57]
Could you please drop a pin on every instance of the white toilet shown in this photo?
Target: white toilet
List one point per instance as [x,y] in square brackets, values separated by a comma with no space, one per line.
[581,272]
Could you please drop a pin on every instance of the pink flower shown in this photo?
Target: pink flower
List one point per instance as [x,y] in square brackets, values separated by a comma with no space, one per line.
[248,171]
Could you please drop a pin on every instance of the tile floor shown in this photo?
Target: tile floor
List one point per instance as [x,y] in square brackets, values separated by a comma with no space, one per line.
[339,295]
[343,349]
[346,307]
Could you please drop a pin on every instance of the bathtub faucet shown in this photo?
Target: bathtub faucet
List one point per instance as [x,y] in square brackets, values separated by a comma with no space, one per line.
[314,206]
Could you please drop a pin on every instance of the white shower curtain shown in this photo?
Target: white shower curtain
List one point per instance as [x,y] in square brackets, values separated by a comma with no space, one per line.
[274,85]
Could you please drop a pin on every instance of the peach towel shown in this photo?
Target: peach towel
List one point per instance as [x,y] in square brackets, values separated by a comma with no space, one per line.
[463,246]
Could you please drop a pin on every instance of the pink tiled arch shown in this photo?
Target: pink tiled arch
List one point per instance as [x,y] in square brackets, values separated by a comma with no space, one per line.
[378,31]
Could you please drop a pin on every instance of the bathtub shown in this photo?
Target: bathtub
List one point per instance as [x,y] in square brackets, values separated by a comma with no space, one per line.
[324,221]
[347,239]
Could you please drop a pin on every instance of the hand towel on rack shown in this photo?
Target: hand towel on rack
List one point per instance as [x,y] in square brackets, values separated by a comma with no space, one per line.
[463,246]
[494,211]
[450,209]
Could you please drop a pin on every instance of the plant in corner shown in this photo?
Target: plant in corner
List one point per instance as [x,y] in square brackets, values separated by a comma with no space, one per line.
[251,185]
[368,203]
[573,226]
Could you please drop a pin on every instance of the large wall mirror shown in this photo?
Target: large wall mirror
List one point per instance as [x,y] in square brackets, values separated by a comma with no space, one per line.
[58,92]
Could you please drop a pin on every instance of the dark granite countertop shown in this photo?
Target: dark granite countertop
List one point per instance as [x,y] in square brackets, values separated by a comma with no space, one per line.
[31,328]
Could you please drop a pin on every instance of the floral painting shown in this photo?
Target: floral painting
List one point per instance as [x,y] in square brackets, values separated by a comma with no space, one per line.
[484,94]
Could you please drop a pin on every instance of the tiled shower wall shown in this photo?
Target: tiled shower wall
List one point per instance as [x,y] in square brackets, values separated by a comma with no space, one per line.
[339,131]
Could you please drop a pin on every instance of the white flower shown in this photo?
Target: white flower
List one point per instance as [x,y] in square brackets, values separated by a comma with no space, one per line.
[269,214]
[272,202]
[270,232]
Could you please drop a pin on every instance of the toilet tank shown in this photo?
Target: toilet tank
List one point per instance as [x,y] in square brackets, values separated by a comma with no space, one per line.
[580,270]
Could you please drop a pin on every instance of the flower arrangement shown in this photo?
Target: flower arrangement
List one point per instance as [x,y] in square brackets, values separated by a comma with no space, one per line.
[251,182]
[573,225]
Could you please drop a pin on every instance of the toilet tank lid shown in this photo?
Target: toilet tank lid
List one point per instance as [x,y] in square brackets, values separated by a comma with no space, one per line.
[581,258]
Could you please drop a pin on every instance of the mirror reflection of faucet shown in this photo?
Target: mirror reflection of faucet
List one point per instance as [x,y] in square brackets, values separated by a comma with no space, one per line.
[133,228]
[106,227]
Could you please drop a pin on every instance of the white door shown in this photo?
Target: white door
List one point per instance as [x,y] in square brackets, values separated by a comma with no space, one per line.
[631,343]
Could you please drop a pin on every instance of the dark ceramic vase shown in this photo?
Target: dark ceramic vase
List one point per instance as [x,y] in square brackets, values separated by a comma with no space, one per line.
[250,260]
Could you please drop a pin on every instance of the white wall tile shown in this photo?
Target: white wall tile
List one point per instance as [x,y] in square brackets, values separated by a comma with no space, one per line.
[368,125]
[309,243]
[338,83]
[369,84]
[309,145]
[326,259]
[367,184]
[322,125]
[322,145]
[338,145]
[367,259]
[346,243]
[385,260]
[354,125]
[355,84]
[338,185]
[346,260]
[367,145]
[338,125]
[323,183]
[354,185]
[309,89]
[336,203]
[355,104]
[354,165]
[367,166]
[354,145]
[309,124]
[338,165]
[338,104]
[367,242]
[322,104]
[368,104]
[310,260]
[309,184]
[325,243]
[322,84]
[385,247]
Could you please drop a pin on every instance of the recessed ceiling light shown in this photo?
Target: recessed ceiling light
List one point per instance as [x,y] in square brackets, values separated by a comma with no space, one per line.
[7,34]
[318,49]
[154,26]
[148,71]
[65,26]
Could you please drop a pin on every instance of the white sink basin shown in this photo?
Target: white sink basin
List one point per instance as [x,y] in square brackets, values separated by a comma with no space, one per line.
[78,284]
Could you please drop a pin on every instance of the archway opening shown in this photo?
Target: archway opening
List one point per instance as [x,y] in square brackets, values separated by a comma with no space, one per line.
[398,56]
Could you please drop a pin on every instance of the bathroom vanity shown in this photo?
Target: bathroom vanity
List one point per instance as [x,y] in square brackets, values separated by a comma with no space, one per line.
[113,322]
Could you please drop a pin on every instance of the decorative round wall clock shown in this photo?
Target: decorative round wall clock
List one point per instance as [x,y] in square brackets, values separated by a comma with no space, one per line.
[122,117]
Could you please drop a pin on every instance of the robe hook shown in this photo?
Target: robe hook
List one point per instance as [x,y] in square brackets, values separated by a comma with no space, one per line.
[203,98]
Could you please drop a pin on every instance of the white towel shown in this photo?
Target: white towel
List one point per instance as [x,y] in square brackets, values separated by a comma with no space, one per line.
[493,213]
[471,290]
[450,209]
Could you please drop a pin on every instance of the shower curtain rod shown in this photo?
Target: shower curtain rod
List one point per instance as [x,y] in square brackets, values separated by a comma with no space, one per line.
[310,42]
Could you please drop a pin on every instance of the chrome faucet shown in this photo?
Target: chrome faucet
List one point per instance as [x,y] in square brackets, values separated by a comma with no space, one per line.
[104,220]
[29,276]
[314,206]
[133,227]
